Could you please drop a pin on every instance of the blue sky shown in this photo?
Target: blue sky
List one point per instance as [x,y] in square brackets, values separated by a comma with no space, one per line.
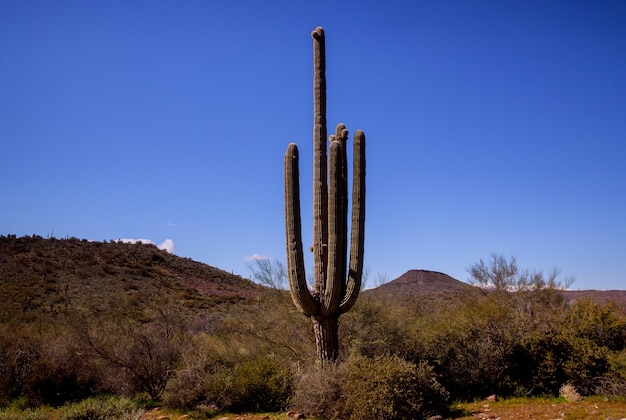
[492,127]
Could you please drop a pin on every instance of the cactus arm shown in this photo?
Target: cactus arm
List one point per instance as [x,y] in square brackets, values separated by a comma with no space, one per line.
[334,276]
[341,134]
[295,259]
[320,188]
[357,239]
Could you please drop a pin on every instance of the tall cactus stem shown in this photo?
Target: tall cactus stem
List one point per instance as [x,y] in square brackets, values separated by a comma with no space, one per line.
[320,188]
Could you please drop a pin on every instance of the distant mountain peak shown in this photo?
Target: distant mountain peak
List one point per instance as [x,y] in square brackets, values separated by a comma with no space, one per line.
[419,282]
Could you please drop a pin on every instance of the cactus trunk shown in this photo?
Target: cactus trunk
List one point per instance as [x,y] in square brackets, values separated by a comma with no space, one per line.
[327,338]
[337,282]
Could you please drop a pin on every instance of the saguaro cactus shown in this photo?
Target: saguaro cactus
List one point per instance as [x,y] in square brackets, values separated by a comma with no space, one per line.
[336,285]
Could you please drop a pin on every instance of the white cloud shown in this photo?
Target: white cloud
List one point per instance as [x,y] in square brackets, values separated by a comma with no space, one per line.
[256,257]
[167,245]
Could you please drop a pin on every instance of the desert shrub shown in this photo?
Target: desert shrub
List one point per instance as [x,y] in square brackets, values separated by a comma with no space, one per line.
[262,383]
[318,390]
[614,381]
[9,372]
[229,375]
[60,374]
[102,408]
[594,333]
[601,324]
[542,363]
[586,365]
[140,357]
[187,388]
[44,367]
[373,326]
[539,364]
[204,374]
[384,387]
[569,393]
[14,412]
[469,346]
[389,387]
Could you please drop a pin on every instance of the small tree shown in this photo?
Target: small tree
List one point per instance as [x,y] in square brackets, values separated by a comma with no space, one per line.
[269,273]
[502,275]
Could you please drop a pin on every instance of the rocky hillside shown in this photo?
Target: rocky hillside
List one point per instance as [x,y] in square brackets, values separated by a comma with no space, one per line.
[600,296]
[40,275]
[424,283]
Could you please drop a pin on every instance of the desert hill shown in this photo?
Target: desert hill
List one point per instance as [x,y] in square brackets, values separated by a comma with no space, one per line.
[424,282]
[599,296]
[39,275]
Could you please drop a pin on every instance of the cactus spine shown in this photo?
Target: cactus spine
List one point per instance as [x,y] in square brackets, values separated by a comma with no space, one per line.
[336,286]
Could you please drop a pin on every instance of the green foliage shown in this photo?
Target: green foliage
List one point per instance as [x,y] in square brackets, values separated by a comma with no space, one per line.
[614,382]
[383,387]
[261,384]
[389,387]
[469,345]
[231,375]
[40,413]
[102,408]
[601,324]
[375,326]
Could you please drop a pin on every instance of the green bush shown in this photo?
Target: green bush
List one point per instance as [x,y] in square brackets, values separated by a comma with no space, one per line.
[261,384]
[601,324]
[373,326]
[384,387]
[389,387]
[27,414]
[215,373]
[102,408]
[469,345]
[614,382]
[538,364]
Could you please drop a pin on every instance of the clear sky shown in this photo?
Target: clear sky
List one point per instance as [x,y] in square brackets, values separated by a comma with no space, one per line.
[492,127]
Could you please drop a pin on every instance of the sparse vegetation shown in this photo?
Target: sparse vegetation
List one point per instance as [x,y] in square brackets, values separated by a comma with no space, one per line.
[151,327]
[102,408]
